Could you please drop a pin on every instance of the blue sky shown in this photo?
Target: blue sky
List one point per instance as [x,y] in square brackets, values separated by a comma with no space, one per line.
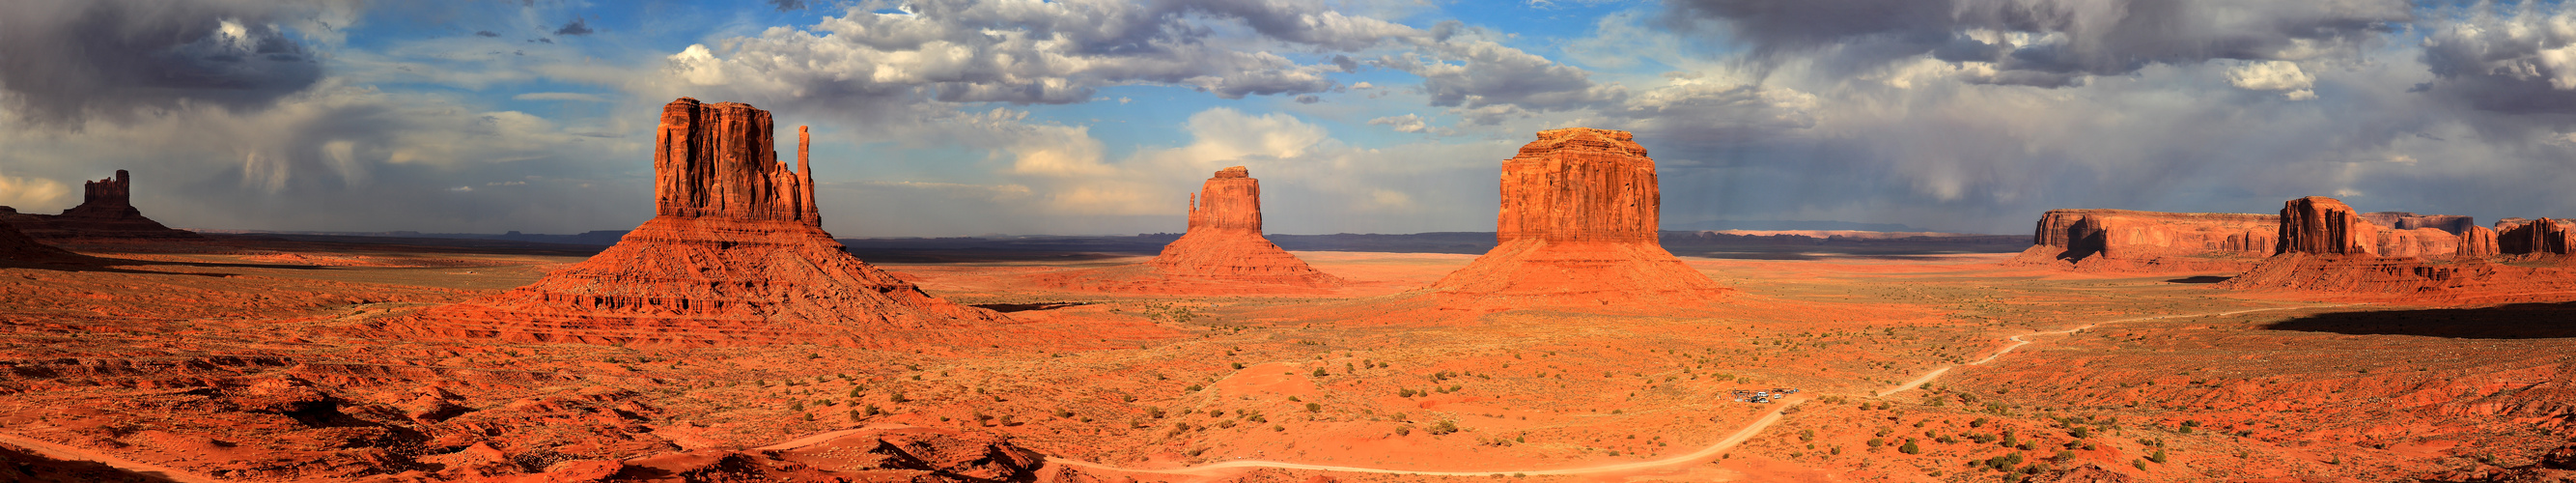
[944,118]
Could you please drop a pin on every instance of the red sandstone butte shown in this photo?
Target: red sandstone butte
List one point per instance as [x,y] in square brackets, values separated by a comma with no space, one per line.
[106,212]
[1224,241]
[2126,240]
[2321,225]
[1578,224]
[2478,241]
[735,255]
[2515,236]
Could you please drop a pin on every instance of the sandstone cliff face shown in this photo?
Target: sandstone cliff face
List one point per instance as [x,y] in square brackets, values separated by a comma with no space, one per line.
[2543,236]
[2150,241]
[2418,242]
[2478,241]
[1577,225]
[2400,220]
[106,212]
[736,256]
[1224,241]
[2321,225]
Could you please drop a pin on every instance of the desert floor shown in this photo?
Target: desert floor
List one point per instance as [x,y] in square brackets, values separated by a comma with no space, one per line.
[272,361]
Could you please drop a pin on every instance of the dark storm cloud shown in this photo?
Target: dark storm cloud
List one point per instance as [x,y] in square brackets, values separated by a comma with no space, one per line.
[2048,43]
[788,5]
[62,61]
[575,27]
[487,33]
[2505,59]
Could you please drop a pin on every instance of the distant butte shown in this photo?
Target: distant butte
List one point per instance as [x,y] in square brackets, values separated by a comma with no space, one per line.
[1224,240]
[106,212]
[735,255]
[1222,253]
[2327,246]
[1578,224]
[2127,240]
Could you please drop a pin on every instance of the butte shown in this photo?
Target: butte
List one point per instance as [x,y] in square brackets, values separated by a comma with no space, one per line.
[106,213]
[1578,226]
[735,254]
[1223,252]
[2327,246]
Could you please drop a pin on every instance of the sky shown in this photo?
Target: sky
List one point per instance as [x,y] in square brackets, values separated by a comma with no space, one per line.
[1083,117]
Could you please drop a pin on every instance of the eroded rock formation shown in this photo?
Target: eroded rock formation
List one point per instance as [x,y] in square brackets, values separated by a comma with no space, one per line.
[2126,240]
[2478,241]
[736,255]
[2514,236]
[1224,240]
[106,212]
[1578,224]
[2321,225]
[18,247]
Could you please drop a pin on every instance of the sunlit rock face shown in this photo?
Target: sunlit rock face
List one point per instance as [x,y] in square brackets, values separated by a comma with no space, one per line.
[735,255]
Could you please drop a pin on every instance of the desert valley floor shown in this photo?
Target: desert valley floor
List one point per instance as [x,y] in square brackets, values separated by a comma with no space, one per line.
[269,360]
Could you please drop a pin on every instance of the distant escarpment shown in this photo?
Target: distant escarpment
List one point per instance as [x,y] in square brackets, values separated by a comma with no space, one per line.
[106,213]
[1578,225]
[2128,240]
[735,255]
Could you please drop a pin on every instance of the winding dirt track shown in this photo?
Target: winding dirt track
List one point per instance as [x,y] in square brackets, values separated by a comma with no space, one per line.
[1739,437]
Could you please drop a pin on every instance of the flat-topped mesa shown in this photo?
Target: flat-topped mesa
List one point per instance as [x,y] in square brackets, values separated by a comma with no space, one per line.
[2076,235]
[2516,236]
[2324,226]
[2400,220]
[1580,185]
[737,256]
[1224,241]
[716,160]
[1578,225]
[106,213]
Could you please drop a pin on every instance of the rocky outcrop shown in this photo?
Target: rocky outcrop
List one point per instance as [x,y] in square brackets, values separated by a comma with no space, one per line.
[2478,241]
[2514,236]
[106,212]
[1224,241]
[2127,240]
[2324,226]
[735,256]
[2417,243]
[2400,220]
[1578,225]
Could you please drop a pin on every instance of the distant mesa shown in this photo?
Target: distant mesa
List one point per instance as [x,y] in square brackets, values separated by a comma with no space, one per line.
[2516,236]
[106,213]
[1223,251]
[2127,240]
[735,255]
[1578,225]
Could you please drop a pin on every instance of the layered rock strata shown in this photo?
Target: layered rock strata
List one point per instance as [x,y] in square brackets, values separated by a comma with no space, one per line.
[1224,241]
[2128,240]
[2326,246]
[736,255]
[2400,220]
[2321,225]
[1578,224]
[106,212]
[2478,241]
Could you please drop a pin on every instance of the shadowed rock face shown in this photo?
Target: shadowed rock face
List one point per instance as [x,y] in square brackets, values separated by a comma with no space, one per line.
[1577,225]
[15,246]
[106,212]
[2514,236]
[1224,241]
[736,255]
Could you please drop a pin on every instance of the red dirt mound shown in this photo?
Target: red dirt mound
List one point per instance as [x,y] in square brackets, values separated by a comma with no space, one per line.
[106,212]
[1578,225]
[2149,241]
[735,256]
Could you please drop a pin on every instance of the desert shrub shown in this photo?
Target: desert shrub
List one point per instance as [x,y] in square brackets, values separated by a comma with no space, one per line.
[1403,430]
[1443,427]
[1909,447]
[1314,408]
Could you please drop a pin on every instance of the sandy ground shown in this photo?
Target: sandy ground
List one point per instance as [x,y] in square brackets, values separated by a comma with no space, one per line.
[229,367]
